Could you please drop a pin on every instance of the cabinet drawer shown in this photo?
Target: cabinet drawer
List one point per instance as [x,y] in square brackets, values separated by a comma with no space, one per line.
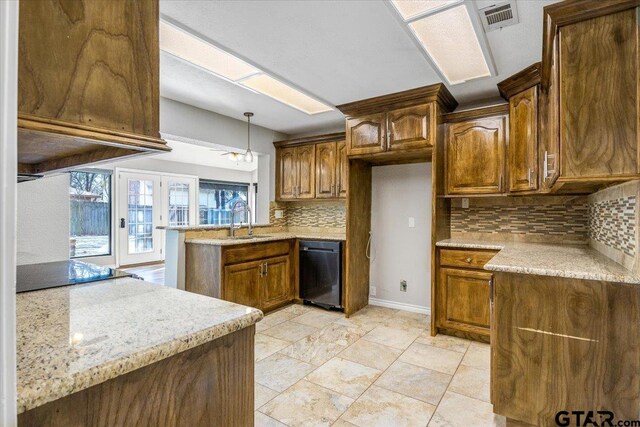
[254,251]
[465,258]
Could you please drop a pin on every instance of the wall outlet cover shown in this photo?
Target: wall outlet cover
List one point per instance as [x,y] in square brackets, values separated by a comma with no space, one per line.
[412,222]
[279,213]
[465,203]
[403,286]
[372,291]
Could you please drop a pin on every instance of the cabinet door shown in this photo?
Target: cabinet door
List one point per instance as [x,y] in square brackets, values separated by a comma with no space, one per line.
[366,134]
[410,128]
[326,170]
[306,164]
[464,300]
[242,283]
[598,76]
[342,169]
[549,135]
[475,156]
[276,283]
[523,141]
[287,173]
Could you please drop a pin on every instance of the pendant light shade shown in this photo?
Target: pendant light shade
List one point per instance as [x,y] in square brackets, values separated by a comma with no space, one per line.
[248,156]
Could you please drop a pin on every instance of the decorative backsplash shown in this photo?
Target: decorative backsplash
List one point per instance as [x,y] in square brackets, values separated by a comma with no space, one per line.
[322,215]
[528,216]
[613,223]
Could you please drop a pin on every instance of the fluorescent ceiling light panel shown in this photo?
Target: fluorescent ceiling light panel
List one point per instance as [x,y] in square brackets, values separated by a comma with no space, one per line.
[412,8]
[184,45]
[451,41]
[269,86]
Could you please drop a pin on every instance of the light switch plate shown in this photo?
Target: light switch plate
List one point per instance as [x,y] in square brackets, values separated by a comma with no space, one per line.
[465,203]
[372,291]
[412,222]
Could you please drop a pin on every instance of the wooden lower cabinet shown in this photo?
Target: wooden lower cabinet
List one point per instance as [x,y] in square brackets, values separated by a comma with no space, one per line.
[562,344]
[242,283]
[275,283]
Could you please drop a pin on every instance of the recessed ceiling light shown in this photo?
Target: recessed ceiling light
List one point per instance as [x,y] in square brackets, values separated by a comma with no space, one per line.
[412,8]
[269,86]
[452,43]
[192,49]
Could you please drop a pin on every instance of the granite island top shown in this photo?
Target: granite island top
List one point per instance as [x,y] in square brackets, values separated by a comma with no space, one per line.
[71,338]
[570,261]
[268,237]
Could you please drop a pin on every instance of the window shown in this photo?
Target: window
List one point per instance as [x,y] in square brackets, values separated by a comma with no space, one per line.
[216,200]
[90,209]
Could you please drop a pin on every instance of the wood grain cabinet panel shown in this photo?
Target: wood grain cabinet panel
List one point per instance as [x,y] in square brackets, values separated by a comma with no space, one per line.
[242,283]
[410,127]
[342,170]
[275,283]
[599,97]
[287,173]
[464,300]
[523,141]
[326,170]
[366,134]
[306,164]
[475,156]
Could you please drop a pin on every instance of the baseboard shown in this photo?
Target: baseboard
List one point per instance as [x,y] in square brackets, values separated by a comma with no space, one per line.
[400,306]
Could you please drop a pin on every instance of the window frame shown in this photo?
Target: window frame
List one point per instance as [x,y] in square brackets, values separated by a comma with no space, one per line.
[248,186]
[110,174]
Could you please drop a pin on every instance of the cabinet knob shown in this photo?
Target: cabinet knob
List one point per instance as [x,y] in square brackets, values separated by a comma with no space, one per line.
[468,260]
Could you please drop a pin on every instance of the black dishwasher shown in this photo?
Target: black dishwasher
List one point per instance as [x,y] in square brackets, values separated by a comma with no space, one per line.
[321,273]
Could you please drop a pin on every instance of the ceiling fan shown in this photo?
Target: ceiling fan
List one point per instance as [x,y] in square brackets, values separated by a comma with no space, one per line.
[247,156]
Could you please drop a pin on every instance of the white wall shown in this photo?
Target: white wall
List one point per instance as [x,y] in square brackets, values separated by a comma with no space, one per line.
[399,252]
[43,220]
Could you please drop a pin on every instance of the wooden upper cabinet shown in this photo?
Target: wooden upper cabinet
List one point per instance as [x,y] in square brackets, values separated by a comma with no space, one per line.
[367,134]
[305,157]
[326,170]
[598,73]
[523,141]
[475,156]
[287,173]
[276,283]
[342,169]
[411,127]
[88,82]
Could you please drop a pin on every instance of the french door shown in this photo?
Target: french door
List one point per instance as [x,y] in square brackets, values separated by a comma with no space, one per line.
[146,201]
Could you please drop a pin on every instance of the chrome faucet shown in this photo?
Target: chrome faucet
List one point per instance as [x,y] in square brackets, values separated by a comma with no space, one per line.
[233,227]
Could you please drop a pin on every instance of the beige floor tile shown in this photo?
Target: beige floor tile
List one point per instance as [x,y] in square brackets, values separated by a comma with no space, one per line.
[263,326]
[279,372]
[318,318]
[377,311]
[307,404]
[265,346]
[371,354]
[378,407]
[437,359]
[262,395]
[361,322]
[457,410]
[290,331]
[478,356]
[342,423]
[297,309]
[345,377]
[408,319]
[414,381]
[400,338]
[444,341]
[262,420]
[313,350]
[472,382]
[277,317]
[339,334]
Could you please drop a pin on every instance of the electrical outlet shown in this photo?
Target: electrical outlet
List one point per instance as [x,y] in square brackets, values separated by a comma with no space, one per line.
[279,213]
[372,291]
[403,286]
[412,222]
[465,203]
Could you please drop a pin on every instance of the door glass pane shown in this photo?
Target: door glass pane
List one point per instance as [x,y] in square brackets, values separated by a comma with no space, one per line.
[140,216]
[178,204]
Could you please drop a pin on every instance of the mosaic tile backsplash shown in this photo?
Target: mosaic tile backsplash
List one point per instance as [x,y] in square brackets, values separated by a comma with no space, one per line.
[613,223]
[321,215]
[526,216]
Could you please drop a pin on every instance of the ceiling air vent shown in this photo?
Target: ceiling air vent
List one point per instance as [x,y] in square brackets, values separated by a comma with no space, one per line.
[499,15]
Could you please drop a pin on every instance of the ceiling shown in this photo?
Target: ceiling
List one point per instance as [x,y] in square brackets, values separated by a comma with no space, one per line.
[337,51]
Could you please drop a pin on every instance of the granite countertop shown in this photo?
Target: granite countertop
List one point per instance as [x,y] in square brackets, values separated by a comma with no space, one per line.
[268,237]
[206,227]
[570,261]
[71,338]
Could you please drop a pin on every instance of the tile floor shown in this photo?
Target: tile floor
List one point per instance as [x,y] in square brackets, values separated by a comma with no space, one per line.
[378,368]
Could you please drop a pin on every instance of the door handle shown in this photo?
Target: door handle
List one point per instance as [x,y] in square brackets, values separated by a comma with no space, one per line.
[122,223]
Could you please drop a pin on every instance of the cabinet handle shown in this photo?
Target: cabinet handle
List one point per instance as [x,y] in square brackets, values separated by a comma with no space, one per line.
[266,269]
[491,291]
[261,270]
[500,183]
[529,176]
[468,260]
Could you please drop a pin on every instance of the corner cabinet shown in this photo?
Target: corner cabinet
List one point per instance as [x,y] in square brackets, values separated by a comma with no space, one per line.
[88,83]
[475,156]
[311,168]
[397,126]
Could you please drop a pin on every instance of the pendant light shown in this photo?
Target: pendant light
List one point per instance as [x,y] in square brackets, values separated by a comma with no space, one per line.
[248,156]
